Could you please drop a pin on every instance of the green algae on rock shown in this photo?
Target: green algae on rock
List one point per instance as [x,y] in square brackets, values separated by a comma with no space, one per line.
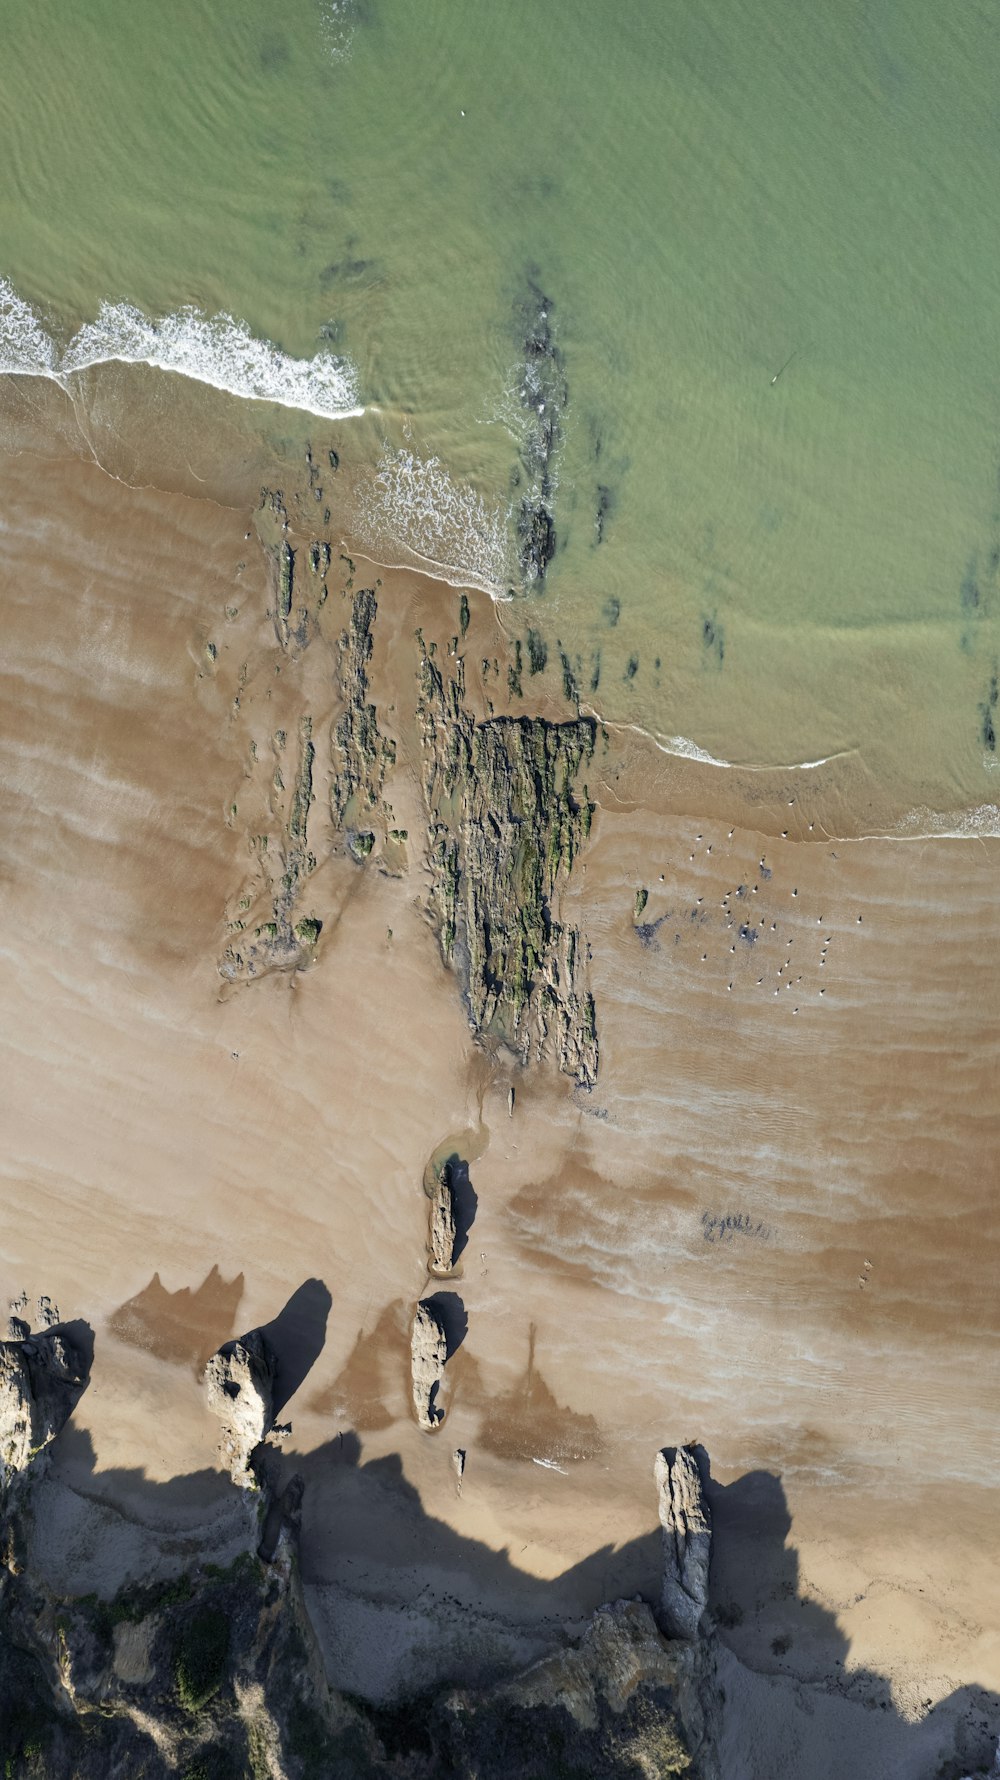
[362,754]
[509,817]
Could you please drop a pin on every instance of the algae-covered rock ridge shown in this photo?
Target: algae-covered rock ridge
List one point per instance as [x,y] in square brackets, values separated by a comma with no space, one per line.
[510,812]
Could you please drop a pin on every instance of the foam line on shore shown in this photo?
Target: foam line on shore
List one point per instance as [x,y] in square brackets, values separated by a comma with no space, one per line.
[219,350]
[682,748]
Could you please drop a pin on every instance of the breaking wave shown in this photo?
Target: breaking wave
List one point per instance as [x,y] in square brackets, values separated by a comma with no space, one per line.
[214,349]
[980,824]
[412,504]
[25,347]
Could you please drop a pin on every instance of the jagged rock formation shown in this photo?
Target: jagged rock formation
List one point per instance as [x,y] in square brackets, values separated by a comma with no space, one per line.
[687,1541]
[297,595]
[508,819]
[281,942]
[218,1674]
[428,1357]
[543,395]
[239,1381]
[621,1701]
[441,1240]
[42,1377]
[211,1676]
[362,754]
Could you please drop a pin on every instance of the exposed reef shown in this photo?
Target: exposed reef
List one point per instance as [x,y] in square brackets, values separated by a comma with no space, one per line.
[508,817]
[284,939]
[362,754]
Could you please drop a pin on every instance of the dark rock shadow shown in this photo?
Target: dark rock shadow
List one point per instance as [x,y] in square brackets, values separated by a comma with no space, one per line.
[464,1201]
[369,1383]
[186,1326]
[296,1337]
[365,1528]
[80,1337]
[528,1423]
[452,1315]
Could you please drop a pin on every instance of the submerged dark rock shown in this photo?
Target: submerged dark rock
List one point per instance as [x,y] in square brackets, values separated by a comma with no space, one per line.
[603,507]
[536,536]
[543,395]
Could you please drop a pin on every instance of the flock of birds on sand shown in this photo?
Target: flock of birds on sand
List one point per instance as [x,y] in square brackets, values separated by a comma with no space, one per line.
[745,927]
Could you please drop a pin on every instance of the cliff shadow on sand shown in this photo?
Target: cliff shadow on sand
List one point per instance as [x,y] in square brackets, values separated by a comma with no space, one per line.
[405,1608]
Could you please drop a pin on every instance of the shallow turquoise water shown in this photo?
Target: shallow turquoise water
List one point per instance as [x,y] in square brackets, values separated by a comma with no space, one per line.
[785,569]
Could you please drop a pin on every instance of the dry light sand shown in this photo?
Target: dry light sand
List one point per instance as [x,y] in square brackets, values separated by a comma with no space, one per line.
[771,1227]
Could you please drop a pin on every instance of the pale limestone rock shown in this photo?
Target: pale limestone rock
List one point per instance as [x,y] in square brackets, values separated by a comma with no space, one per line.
[429,1352]
[442,1226]
[41,1378]
[239,1380]
[687,1541]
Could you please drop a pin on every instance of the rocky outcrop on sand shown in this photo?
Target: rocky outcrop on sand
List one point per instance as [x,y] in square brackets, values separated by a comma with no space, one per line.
[509,816]
[42,1377]
[300,588]
[621,1701]
[284,939]
[428,1358]
[239,1382]
[443,1228]
[687,1541]
[362,754]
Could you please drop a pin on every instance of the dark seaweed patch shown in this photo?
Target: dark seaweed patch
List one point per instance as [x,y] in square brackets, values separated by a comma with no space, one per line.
[970,593]
[605,502]
[713,639]
[987,713]
[571,690]
[538,653]
[544,395]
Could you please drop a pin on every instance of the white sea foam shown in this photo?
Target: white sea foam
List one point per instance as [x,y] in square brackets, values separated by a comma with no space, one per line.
[217,349]
[982,823]
[685,749]
[337,27]
[413,505]
[25,347]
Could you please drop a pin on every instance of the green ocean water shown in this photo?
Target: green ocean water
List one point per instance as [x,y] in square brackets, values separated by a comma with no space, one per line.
[706,194]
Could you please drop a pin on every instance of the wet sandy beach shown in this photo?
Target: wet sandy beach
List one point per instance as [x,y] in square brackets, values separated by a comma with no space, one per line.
[769,1227]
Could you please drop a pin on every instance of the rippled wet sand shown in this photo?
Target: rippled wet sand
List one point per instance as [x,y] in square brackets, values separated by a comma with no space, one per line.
[769,1228]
